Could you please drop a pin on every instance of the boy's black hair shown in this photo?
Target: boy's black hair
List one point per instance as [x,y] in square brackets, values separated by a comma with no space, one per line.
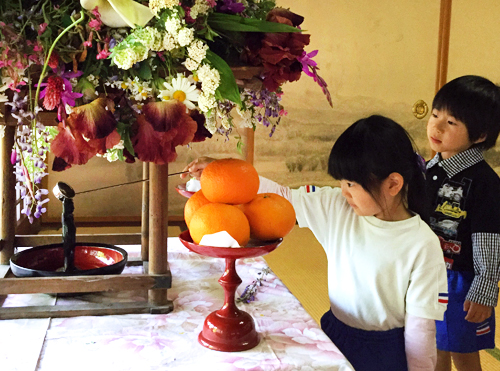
[475,101]
[373,148]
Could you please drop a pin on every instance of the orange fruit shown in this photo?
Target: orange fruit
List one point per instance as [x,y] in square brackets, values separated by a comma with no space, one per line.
[230,181]
[270,215]
[194,202]
[217,217]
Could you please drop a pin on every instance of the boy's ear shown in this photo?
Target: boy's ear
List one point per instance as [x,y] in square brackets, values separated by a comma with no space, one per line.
[394,183]
[481,139]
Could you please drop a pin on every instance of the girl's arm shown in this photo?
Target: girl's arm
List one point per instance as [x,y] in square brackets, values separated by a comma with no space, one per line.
[420,343]
[268,186]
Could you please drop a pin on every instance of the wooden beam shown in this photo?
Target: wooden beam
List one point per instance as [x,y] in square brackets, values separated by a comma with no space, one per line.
[8,197]
[145,213]
[249,145]
[158,228]
[83,310]
[77,284]
[443,43]
[109,238]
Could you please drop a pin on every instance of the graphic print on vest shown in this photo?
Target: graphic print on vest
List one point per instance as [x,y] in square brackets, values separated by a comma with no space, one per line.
[448,213]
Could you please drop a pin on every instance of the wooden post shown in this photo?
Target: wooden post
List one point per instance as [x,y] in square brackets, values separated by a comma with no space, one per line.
[8,192]
[158,229]
[443,43]
[145,213]
[249,145]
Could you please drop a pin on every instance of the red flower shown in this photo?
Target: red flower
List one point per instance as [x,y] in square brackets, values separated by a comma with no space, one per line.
[71,147]
[202,133]
[53,92]
[278,52]
[162,127]
[94,120]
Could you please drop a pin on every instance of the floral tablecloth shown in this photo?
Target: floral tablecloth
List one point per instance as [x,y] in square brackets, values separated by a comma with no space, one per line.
[290,338]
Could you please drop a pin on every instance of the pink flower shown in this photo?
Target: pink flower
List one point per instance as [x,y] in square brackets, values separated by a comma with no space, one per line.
[103,54]
[310,68]
[306,60]
[42,28]
[96,23]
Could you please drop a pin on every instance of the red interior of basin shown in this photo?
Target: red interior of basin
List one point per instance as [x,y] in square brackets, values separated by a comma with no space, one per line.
[52,259]
[90,257]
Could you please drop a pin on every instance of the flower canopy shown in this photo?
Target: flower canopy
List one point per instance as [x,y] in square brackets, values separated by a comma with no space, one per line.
[132,80]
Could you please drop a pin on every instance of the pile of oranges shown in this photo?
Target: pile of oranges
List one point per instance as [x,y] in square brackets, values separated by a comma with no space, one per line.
[228,201]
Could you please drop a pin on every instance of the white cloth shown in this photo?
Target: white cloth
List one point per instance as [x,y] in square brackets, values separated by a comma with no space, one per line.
[377,270]
[193,185]
[219,239]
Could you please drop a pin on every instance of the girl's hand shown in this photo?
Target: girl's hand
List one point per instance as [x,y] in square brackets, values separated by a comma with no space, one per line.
[196,167]
[476,313]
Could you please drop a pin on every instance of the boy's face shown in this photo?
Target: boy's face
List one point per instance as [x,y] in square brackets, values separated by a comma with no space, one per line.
[447,135]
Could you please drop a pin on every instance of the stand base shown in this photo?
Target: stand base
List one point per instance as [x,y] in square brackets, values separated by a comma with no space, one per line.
[229,334]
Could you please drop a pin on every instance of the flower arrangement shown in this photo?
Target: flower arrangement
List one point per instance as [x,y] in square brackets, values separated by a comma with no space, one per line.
[132,80]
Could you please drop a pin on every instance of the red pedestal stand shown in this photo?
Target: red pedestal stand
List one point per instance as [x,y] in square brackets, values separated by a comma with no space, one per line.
[229,329]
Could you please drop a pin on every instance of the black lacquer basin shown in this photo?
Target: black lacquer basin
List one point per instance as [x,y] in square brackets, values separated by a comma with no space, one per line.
[48,260]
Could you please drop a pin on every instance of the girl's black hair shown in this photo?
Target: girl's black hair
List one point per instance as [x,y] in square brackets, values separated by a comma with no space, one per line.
[475,101]
[373,148]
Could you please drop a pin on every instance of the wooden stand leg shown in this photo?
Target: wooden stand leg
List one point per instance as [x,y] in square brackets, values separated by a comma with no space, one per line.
[8,192]
[145,214]
[158,233]
[249,145]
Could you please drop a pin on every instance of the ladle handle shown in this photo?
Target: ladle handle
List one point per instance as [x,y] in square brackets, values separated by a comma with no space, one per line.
[68,234]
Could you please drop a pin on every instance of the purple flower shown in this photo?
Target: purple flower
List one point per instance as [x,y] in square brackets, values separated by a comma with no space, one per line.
[310,68]
[231,6]
[306,60]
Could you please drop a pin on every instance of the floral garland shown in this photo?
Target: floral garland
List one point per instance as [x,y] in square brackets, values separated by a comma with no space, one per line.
[131,80]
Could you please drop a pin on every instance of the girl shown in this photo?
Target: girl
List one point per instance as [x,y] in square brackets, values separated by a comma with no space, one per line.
[386,274]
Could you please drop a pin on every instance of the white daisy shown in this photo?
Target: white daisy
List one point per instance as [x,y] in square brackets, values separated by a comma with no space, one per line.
[181,89]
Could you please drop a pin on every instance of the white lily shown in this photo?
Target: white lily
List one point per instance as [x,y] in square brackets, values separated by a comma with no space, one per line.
[120,13]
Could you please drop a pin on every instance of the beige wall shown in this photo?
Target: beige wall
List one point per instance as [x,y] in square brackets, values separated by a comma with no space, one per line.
[475,39]
[376,56]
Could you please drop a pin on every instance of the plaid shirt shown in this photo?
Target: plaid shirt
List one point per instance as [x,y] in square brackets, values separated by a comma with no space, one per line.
[465,194]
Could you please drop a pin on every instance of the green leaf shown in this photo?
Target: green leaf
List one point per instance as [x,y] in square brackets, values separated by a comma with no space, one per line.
[145,71]
[124,131]
[229,22]
[228,89]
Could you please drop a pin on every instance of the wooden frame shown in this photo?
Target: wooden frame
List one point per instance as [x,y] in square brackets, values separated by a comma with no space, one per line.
[153,239]
[156,279]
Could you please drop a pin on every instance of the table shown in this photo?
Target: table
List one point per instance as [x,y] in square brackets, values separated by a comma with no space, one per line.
[290,338]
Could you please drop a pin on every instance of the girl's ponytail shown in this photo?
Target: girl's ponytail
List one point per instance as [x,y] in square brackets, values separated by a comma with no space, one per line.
[416,194]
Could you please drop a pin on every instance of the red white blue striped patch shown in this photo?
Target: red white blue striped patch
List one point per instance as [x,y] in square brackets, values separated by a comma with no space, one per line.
[443,298]
[483,329]
[310,188]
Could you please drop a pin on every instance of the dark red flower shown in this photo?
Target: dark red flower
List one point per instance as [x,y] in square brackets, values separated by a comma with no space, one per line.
[172,127]
[282,15]
[71,147]
[94,120]
[279,52]
[202,132]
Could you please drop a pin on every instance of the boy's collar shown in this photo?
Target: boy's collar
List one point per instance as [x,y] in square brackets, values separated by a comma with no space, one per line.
[459,162]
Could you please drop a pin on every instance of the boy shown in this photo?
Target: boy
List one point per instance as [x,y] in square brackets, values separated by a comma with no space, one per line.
[465,199]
